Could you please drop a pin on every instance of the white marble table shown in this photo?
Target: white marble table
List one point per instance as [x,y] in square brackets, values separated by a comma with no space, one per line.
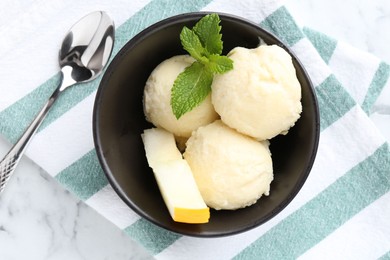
[41,220]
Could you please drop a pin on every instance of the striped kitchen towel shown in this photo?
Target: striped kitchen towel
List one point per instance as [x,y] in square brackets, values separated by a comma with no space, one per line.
[342,211]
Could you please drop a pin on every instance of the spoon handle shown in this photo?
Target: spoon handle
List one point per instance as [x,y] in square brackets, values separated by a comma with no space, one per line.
[11,160]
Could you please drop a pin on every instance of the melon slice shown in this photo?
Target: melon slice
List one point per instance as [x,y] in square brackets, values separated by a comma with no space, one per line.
[174,178]
[160,146]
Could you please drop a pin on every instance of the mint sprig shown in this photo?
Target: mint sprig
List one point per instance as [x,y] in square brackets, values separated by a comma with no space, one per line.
[204,43]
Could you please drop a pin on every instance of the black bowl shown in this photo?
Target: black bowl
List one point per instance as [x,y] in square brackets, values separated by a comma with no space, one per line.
[118,121]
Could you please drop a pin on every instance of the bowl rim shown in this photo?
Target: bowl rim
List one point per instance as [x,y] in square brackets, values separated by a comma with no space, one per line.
[182,18]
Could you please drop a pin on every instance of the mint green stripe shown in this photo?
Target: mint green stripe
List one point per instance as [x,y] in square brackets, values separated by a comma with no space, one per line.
[385,256]
[152,237]
[319,217]
[324,44]
[377,84]
[154,12]
[283,25]
[334,101]
[16,118]
[85,177]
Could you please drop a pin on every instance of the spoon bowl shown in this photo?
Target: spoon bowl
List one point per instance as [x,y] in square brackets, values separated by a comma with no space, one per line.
[84,53]
[87,46]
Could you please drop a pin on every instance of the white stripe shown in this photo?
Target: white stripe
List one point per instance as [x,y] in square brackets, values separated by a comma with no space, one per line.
[365,236]
[65,140]
[253,10]
[382,104]
[109,205]
[309,57]
[350,132]
[33,36]
[380,111]
[355,69]
[382,122]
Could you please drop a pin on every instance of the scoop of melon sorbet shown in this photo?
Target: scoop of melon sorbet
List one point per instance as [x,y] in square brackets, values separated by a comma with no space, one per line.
[157,100]
[231,170]
[261,96]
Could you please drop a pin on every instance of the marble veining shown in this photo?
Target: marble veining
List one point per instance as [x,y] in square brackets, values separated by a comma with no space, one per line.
[41,220]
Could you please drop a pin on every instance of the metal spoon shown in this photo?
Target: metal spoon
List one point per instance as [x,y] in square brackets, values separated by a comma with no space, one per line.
[84,53]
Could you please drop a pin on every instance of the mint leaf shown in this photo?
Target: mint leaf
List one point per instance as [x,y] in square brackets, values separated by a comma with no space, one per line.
[219,64]
[208,31]
[190,88]
[204,44]
[191,43]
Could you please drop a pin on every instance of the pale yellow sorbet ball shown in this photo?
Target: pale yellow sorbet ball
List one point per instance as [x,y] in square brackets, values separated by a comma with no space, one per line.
[261,96]
[231,170]
[157,100]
